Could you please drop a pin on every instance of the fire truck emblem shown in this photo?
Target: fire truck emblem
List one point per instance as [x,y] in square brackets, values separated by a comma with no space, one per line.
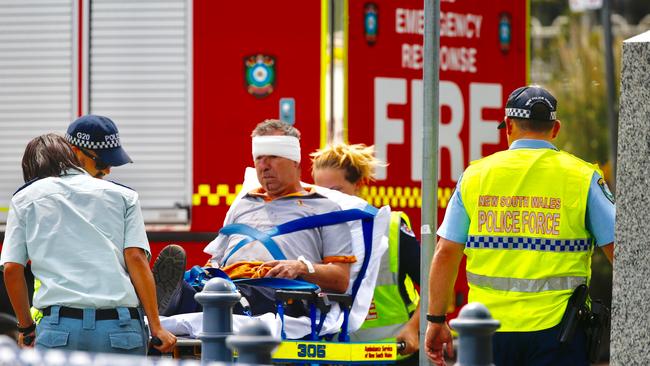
[371,23]
[259,73]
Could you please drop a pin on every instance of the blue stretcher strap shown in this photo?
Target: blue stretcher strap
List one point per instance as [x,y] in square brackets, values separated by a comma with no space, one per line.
[309,222]
[279,283]
[330,218]
[312,317]
[366,216]
[367,227]
[252,234]
[280,307]
[197,276]
[344,335]
[320,324]
[194,274]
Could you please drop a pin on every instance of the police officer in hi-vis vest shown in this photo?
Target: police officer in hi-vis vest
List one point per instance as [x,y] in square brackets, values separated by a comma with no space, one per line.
[528,219]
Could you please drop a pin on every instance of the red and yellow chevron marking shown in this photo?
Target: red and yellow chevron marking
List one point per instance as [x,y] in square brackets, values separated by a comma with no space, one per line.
[206,196]
[401,197]
[396,197]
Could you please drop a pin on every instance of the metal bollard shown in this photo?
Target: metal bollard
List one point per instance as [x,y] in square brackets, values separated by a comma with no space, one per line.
[254,343]
[217,298]
[475,328]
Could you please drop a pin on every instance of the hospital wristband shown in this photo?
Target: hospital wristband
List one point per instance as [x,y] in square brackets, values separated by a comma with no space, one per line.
[310,266]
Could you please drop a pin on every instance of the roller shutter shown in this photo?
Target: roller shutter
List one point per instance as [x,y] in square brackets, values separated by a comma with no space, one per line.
[37,93]
[140,76]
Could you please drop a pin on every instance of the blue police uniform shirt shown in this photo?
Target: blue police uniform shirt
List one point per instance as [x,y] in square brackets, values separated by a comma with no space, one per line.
[74,229]
[599,218]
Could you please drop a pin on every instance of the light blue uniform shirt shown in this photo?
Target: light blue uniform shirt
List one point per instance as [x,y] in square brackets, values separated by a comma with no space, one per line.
[74,229]
[599,218]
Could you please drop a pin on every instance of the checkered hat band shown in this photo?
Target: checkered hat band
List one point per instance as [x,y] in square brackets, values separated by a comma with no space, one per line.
[92,145]
[523,113]
[517,113]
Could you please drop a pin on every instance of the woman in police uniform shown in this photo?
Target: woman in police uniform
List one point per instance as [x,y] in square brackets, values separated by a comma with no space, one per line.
[86,242]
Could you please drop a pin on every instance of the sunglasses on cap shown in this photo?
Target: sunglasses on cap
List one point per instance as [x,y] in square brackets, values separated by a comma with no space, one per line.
[99,164]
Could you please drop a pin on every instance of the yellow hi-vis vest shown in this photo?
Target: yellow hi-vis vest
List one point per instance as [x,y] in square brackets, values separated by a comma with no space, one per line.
[389,311]
[528,247]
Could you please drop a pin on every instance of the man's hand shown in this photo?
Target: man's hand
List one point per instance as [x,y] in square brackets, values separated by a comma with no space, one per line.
[285,269]
[438,338]
[167,340]
[333,277]
[411,339]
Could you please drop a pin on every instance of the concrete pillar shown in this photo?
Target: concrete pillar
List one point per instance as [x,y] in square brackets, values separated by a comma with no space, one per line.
[631,289]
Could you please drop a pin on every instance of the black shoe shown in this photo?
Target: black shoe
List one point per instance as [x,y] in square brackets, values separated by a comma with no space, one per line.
[168,271]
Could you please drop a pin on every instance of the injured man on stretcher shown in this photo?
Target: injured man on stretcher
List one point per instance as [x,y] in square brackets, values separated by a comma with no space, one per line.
[321,255]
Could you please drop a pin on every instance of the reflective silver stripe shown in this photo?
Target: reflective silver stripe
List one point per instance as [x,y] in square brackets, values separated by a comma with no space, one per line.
[526,285]
[386,278]
[376,333]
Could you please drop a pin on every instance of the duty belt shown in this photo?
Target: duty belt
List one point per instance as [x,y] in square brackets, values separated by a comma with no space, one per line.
[100,314]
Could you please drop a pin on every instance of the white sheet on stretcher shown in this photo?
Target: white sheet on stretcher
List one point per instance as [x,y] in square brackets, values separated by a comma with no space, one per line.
[191,324]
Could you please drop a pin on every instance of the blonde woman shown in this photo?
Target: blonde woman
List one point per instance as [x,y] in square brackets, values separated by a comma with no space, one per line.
[346,168]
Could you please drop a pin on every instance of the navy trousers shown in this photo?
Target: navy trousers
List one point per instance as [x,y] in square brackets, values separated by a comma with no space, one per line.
[540,348]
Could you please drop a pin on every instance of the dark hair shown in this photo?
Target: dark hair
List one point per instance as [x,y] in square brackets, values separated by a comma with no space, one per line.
[532,125]
[48,155]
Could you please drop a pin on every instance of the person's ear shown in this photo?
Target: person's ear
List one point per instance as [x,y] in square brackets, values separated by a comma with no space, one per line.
[77,152]
[556,128]
[357,187]
[508,126]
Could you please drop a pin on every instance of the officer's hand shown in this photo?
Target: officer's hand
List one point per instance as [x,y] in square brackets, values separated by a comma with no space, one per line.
[410,337]
[26,340]
[438,338]
[285,269]
[163,340]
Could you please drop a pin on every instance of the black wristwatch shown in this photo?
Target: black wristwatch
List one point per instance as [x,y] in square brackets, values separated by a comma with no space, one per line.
[26,330]
[437,319]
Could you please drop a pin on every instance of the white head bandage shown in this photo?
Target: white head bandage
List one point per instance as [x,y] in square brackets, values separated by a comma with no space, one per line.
[283,146]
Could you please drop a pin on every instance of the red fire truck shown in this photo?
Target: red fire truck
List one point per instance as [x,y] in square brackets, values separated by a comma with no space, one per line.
[186,81]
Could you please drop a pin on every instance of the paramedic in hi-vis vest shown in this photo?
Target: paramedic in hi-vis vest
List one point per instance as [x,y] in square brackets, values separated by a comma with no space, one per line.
[346,168]
[528,219]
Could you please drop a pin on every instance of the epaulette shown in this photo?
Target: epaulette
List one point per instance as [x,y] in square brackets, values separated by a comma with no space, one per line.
[26,185]
[121,185]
